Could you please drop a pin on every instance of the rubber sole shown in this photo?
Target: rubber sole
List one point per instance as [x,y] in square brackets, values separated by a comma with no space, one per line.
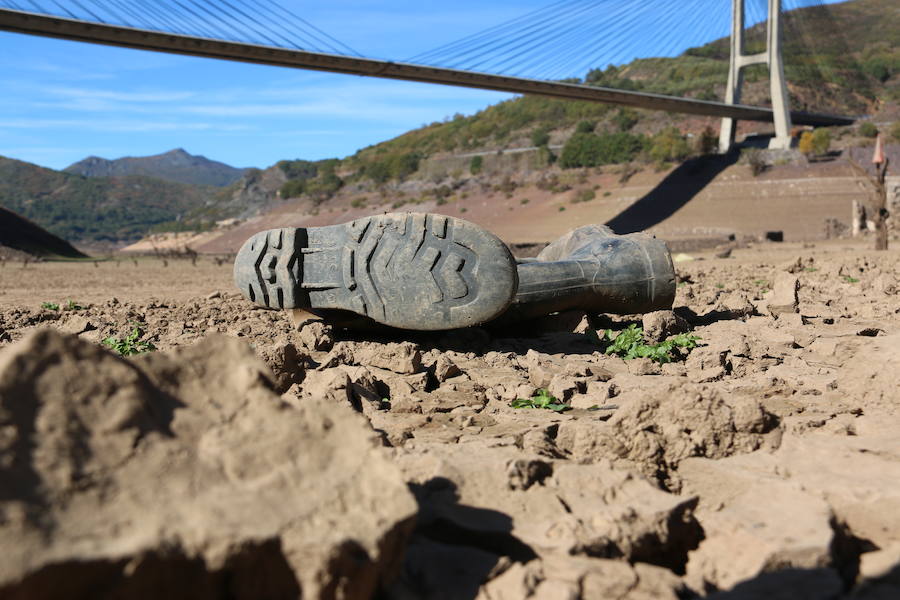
[406,270]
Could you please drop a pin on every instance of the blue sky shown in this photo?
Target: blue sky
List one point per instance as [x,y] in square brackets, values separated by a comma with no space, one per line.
[62,101]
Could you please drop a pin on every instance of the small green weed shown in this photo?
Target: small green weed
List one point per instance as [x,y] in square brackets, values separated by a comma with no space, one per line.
[541,399]
[849,279]
[720,286]
[761,283]
[810,269]
[629,343]
[67,305]
[131,344]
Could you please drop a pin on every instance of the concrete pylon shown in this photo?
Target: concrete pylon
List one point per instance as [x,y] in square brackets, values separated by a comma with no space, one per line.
[777,85]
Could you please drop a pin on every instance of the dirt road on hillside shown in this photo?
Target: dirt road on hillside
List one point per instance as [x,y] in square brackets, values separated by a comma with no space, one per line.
[250,456]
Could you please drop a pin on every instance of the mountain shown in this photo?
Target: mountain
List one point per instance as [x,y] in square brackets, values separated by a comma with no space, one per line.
[176,166]
[21,234]
[81,208]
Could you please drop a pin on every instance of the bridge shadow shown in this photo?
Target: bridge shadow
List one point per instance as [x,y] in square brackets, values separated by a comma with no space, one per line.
[677,189]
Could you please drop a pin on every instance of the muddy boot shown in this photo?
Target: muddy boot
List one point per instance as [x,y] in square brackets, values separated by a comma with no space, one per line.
[404,270]
[595,270]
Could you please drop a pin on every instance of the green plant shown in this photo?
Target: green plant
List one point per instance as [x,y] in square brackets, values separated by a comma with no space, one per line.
[585,127]
[49,305]
[810,269]
[524,201]
[541,399]
[72,305]
[592,150]
[867,129]
[629,343]
[625,119]
[562,208]
[131,344]
[540,137]
[707,141]
[815,143]
[669,145]
[293,188]
[761,283]
[476,164]
[849,279]
[585,195]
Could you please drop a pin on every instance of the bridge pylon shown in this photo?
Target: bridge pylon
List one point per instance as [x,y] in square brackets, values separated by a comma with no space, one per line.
[777,84]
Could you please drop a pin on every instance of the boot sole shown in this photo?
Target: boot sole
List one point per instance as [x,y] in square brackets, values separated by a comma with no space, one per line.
[405,270]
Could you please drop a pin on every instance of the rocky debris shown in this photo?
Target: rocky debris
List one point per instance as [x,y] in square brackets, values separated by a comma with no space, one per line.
[313,332]
[802,506]
[784,459]
[491,497]
[579,577]
[403,357]
[661,324]
[655,433]
[185,474]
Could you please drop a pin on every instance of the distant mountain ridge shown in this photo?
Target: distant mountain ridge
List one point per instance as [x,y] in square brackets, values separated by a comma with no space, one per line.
[81,208]
[177,165]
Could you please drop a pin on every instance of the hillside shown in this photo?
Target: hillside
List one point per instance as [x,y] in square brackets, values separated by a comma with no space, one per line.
[80,208]
[21,234]
[176,166]
[844,59]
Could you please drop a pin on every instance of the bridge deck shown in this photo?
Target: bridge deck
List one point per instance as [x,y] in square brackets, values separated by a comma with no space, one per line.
[44,25]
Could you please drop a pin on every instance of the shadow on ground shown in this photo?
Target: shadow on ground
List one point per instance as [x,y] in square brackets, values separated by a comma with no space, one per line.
[677,189]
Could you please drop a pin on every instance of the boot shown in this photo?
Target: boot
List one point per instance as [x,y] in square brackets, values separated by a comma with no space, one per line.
[593,269]
[403,270]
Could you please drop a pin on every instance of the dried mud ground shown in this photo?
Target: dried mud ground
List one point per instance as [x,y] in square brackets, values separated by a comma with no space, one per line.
[348,465]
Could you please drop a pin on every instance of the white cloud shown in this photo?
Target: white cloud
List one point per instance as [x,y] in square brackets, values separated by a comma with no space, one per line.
[117,126]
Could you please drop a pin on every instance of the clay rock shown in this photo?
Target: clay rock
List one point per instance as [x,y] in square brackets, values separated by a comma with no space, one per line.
[184,475]
[76,324]
[661,324]
[445,368]
[484,491]
[286,362]
[313,332]
[755,526]
[735,305]
[784,297]
[404,358]
[659,430]
[580,577]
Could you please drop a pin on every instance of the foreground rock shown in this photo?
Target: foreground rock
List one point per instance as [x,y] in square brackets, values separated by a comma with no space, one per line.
[184,475]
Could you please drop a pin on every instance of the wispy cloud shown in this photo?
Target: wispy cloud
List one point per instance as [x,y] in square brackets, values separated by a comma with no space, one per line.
[118,126]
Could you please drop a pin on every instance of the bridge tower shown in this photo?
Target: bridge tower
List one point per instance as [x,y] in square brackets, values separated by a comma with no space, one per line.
[777,85]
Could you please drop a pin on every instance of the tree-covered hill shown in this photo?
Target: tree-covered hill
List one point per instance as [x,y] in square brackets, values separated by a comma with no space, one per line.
[841,58]
[79,208]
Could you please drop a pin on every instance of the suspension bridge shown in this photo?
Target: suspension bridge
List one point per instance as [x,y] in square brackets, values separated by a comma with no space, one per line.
[509,57]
